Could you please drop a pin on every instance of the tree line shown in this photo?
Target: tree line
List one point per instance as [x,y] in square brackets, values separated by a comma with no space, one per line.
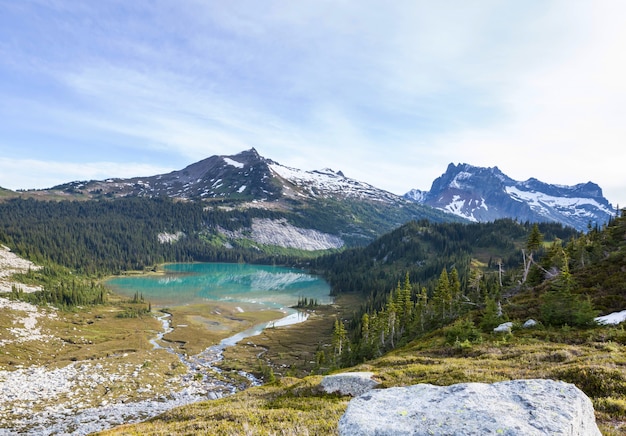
[549,281]
[111,236]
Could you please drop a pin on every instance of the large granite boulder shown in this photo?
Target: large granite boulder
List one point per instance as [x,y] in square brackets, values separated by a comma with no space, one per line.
[518,407]
[349,383]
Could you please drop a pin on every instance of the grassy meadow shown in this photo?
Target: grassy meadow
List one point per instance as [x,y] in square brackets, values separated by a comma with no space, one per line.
[593,359]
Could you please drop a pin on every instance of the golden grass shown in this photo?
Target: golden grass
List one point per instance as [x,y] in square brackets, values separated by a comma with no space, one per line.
[290,350]
[86,334]
[289,407]
[594,360]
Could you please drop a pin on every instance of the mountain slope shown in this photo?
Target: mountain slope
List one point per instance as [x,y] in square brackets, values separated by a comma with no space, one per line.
[223,208]
[244,176]
[4,193]
[486,194]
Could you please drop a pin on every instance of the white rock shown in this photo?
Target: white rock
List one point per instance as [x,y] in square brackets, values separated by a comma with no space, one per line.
[529,324]
[349,383]
[518,407]
[612,318]
[504,328]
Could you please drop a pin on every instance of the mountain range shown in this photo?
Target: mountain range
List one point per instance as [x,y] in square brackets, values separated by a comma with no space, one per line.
[463,192]
[485,194]
[244,176]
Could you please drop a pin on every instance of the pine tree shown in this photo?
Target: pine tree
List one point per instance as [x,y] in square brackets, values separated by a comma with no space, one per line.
[339,340]
[442,296]
[561,306]
[422,308]
[455,293]
[533,243]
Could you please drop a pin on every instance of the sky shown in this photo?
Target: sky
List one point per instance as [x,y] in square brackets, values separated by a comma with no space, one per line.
[390,93]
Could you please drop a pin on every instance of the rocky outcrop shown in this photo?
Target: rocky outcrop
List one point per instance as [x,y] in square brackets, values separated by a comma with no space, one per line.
[518,407]
[349,383]
[10,264]
[281,233]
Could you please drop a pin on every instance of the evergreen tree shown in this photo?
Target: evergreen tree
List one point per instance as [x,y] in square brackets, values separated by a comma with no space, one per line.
[560,305]
[339,340]
[455,293]
[442,296]
[533,243]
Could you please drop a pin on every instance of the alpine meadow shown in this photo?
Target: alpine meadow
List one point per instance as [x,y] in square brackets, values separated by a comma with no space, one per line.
[418,295]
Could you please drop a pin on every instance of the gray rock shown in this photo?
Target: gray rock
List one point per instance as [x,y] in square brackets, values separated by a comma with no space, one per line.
[529,324]
[348,383]
[504,328]
[518,407]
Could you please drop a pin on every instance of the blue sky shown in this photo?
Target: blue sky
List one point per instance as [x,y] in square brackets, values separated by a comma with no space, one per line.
[388,92]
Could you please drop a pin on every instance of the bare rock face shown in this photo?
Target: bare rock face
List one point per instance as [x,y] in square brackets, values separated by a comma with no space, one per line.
[518,407]
[349,383]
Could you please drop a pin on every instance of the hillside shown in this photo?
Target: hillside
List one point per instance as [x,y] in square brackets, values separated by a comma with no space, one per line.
[137,233]
[7,193]
[422,249]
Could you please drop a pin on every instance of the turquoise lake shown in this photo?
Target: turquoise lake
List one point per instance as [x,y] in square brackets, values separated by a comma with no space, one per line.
[271,287]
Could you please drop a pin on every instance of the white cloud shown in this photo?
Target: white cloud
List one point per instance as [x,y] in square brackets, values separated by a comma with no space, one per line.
[38,174]
[564,117]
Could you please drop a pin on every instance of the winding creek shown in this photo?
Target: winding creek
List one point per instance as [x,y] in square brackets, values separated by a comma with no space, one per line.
[269,287]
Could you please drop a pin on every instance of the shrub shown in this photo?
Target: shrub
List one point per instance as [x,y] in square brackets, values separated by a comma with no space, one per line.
[462,330]
[594,381]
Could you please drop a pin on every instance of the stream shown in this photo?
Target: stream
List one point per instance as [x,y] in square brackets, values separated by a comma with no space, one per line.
[198,384]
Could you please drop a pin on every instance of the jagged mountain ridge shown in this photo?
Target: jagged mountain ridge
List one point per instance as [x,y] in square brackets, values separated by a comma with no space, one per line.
[244,176]
[482,194]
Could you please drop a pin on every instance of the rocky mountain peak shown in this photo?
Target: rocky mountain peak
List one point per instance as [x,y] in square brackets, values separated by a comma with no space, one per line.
[485,194]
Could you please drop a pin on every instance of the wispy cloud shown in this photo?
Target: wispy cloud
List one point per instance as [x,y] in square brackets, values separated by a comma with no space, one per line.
[388,92]
[39,174]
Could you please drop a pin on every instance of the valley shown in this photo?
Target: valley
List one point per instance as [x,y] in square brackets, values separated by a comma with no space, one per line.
[107,317]
[89,370]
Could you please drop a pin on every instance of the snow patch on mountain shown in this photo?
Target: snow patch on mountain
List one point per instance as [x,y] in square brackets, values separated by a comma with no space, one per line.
[539,200]
[233,163]
[612,318]
[416,195]
[328,183]
[458,180]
